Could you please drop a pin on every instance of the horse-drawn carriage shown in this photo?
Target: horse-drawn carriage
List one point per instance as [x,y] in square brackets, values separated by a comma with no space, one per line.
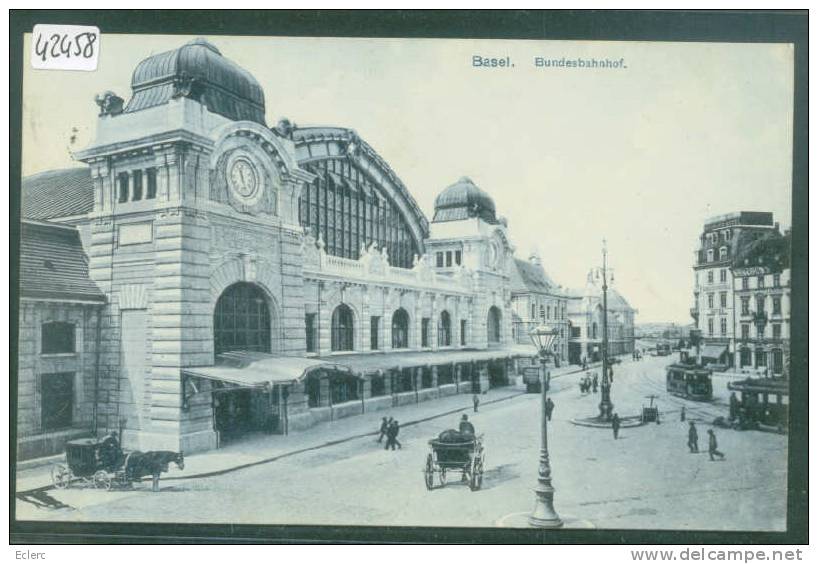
[456,452]
[101,463]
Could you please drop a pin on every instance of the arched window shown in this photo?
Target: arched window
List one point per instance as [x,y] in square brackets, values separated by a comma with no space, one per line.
[593,330]
[241,321]
[343,329]
[400,329]
[494,324]
[444,330]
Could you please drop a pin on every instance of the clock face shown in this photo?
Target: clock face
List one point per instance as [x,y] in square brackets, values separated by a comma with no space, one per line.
[243,178]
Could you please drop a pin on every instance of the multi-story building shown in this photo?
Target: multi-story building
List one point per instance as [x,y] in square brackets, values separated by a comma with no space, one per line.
[537,300]
[762,306]
[724,243]
[244,278]
[585,315]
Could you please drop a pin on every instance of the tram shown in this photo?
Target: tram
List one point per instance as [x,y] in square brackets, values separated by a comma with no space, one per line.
[690,382]
[764,404]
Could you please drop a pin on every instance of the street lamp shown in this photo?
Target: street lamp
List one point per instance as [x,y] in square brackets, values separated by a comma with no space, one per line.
[544,516]
[606,405]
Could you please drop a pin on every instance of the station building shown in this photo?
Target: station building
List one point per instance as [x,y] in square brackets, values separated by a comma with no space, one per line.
[238,278]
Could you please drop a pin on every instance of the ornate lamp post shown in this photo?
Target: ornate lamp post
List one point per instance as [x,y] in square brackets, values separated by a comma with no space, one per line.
[606,405]
[544,516]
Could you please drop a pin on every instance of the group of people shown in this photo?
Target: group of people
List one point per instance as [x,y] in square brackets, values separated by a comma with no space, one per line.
[712,444]
[588,383]
[390,429]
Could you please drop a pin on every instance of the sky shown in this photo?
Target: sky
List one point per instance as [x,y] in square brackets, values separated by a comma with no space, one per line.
[639,155]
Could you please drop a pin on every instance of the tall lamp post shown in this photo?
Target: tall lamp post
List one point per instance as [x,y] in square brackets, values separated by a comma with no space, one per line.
[606,405]
[544,515]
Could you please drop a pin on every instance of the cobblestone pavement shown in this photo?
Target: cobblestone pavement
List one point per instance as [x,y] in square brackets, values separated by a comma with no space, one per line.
[646,479]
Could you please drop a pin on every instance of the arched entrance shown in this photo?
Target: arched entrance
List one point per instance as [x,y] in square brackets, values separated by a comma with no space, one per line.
[343,329]
[493,325]
[242,322]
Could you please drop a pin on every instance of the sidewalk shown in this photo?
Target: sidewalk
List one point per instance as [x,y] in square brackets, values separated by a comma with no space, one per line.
[262,448]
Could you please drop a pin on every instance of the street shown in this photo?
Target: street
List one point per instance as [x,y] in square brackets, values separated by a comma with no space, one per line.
[645,479]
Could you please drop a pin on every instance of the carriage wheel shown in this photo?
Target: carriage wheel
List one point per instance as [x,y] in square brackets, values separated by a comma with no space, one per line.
[102,480]
[476,480]
[429,472]
[60,476]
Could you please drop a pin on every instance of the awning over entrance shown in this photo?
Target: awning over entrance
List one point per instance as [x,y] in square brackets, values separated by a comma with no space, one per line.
[254,369]
[372,362]
[713,351]
[761,385]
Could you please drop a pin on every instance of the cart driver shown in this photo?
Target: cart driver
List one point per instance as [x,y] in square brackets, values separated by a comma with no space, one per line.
[109,450]
[465,425]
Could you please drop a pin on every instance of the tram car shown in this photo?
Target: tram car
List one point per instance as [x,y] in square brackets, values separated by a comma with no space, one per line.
[690,382]
[764,404]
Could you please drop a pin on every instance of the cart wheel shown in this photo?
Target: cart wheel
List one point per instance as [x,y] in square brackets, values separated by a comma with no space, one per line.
[429,472]
[60,476]
[102,480]
[476,480]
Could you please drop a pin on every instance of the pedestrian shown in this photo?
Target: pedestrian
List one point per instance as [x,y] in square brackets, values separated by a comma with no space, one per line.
[476,401]
[615,424]
[693,438]
[712,446]
[549,408]
[383,429]
[392,435]
[733,406]
[465,425]
[595,382]
[682,414]
[610,374]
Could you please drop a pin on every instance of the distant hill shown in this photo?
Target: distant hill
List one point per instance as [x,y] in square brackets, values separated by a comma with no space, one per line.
[661,330]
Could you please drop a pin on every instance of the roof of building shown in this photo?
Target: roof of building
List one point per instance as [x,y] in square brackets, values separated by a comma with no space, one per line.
[199,71]
[529,277]
[53,264]
[768,249]
[462,200]
[57,193]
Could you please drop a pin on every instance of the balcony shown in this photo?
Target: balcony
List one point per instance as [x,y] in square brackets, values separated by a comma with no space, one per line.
[373,267]
[694,313]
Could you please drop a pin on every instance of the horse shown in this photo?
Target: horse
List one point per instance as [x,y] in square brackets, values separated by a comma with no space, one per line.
[151,463]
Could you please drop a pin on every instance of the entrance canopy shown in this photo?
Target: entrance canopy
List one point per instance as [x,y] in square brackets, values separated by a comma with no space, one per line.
[372,362]
[255,369]
[713,351]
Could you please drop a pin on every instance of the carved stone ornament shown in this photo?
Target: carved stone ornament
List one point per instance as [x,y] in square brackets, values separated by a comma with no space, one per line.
[109,103]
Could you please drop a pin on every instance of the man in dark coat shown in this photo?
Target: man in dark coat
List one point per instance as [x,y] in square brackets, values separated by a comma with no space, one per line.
[465,425]
[615,424]
[712,446]
[384,428]
[549,408]
[595,382]
[392,435]
[693,438]
[476,401]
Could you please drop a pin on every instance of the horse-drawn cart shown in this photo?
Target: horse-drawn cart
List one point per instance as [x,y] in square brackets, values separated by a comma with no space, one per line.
[464,454]
[91,462]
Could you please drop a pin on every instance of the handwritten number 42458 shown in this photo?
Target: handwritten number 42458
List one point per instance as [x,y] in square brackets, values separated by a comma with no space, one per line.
[66,45]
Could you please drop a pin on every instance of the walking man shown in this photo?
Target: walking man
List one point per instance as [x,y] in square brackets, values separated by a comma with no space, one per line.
[712,446]
[693,438]
[392,435]
[595,382]
[384,429]
[615,424]
[476,401]
[549,408]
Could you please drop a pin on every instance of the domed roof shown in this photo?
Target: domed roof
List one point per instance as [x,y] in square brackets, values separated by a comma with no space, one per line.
[199,71]
[463,200]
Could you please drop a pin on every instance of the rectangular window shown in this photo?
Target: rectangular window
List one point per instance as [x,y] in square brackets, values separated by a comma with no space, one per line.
[463,332]
[761,358]
[448,258]
[759,332]
[776,330]
[374,337]
[709,276]
[745,283]
[533,311]
[458,257]
[760,304]
[542,312]
[723,326]
[137,185]
[424,332]
[745,306]
[58,338]
[151,174]
[723,275]
[776,306]
[745,331]
[710,301]
[378,386]
[309,320]
[710,326]
[439,260]
[760,282]
[57,400]
[123,187]
[777,280]
[723,299]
